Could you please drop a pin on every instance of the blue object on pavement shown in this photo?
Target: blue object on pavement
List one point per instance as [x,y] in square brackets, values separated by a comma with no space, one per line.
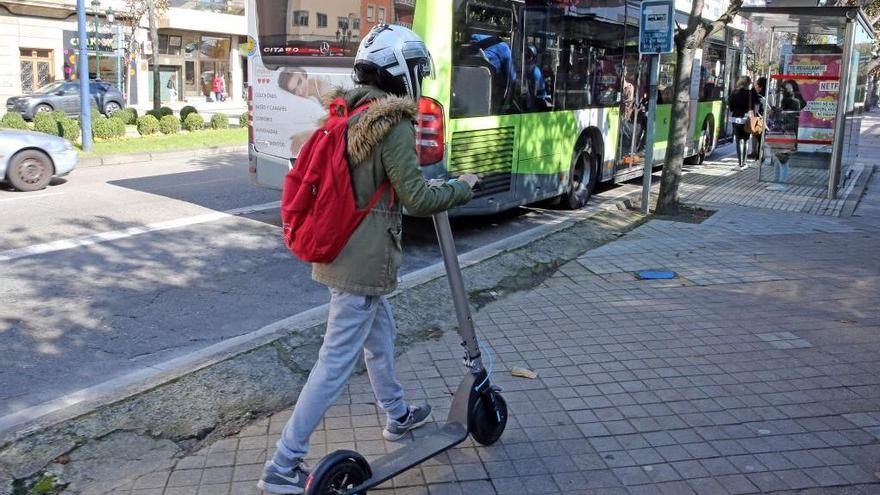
[656,275]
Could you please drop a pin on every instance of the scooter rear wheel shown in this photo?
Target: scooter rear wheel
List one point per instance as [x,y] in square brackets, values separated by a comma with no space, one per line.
[339,478]
[486,424]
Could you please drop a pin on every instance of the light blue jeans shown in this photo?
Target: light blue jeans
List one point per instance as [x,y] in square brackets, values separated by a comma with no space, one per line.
[356,322]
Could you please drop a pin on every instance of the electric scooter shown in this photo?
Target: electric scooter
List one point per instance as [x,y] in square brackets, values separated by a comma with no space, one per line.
[477,406]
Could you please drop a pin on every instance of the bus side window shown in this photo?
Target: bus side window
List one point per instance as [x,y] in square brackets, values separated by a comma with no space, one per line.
[666,79]
[542,29]
[471,91]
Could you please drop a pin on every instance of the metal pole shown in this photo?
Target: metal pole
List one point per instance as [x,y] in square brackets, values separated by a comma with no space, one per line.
[97,50]
[767,102]
[85,116]
[653,70]
[120,41]
[456,285]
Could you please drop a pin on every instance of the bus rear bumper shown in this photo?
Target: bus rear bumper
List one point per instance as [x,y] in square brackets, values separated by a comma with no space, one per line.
[267,170]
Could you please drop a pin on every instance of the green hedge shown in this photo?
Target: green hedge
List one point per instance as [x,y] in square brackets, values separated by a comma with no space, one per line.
[112,128]
[148,124]
[243,119]
[194,122]
[47,123]
[128,115]
[219,121]
[71,129]
[186,111]
[13,120]
[169,124]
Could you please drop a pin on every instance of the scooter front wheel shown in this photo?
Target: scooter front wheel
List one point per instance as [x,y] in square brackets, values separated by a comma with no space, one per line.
[337,474]
[488,418]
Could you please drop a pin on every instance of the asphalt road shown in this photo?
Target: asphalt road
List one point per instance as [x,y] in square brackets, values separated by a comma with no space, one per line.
[122,267]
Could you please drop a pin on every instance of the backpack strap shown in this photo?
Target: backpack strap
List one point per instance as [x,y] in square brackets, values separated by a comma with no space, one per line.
[378,196]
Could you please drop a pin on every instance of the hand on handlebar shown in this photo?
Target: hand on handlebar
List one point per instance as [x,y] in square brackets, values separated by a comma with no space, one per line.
[471,179]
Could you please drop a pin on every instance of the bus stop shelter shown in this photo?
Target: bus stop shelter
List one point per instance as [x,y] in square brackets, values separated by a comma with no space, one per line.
[816,91]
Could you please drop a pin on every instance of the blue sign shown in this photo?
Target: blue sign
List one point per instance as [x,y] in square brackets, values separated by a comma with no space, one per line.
[655,30]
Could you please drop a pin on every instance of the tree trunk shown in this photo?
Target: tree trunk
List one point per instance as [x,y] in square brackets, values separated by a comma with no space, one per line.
[154,40]
[667,203]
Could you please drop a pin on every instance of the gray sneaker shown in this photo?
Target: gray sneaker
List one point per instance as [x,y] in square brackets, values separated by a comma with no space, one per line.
[292,482]
[418,416]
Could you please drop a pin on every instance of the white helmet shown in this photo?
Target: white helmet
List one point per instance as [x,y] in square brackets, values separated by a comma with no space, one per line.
[398,56]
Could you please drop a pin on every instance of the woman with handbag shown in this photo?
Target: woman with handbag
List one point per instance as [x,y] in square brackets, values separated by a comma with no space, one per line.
[739,104]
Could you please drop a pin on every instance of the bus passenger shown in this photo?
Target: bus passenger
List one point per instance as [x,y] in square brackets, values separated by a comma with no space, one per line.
[536,89]
[497,52]
[381,148]
[739,106]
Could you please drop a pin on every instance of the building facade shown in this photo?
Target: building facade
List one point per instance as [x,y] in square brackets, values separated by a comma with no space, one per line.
[197,39]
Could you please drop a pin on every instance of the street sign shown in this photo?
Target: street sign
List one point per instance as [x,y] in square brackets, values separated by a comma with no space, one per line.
[655,32]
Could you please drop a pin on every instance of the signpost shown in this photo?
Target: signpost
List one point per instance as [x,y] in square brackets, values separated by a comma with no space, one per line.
[655,37]
[85,98]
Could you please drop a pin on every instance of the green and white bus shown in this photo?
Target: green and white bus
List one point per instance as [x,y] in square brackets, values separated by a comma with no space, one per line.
[541,98]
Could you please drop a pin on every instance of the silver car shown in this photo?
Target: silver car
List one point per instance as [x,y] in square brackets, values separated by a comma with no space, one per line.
[29,160]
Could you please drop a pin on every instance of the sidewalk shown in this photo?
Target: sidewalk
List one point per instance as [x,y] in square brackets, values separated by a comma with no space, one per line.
[755,371]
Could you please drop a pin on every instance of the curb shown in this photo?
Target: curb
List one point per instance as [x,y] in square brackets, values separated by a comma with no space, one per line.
[211,392]
[158,156]
[855,196]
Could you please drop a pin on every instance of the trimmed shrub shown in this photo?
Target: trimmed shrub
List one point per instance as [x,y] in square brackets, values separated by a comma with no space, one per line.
[128,115]
[147,124]
[194,122]
[47,124]
[102,128]
[58,115]
[71,129]
[186,111]
[156,114]
[165,111]
[243,119]
[13,120]
[117,126]
[169,124]
[219,121]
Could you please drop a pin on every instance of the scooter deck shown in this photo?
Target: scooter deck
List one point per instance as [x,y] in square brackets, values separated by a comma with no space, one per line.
[390,465]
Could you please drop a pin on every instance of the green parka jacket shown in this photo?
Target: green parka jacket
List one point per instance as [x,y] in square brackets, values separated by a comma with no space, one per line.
[381,146]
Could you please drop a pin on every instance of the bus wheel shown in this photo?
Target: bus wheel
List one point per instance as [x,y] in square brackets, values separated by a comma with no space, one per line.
[583,178]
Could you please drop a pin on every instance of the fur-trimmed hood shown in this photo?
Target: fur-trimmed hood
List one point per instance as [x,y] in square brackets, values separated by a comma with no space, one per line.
[370,127]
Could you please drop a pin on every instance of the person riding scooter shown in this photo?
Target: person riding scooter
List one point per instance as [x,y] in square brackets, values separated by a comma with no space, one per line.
[390,64]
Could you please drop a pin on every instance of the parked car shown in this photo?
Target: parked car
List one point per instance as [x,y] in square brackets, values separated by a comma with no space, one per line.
[29,160]
[64,96]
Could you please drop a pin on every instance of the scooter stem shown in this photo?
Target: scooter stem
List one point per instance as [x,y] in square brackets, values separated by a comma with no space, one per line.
[459,294]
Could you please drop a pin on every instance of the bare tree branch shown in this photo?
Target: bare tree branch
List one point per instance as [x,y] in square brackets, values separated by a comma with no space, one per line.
[726,18]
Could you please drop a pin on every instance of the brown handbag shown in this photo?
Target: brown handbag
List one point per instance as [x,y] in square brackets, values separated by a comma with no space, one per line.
[754,124]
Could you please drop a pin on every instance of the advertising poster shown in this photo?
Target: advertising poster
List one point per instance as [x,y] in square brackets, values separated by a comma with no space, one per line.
[819,97]
[287,106]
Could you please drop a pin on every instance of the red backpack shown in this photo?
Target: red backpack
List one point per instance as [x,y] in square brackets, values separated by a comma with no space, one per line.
[318,210]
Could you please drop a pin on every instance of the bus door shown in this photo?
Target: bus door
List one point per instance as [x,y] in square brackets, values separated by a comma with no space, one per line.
[732,72]
[698,75]
[633,113]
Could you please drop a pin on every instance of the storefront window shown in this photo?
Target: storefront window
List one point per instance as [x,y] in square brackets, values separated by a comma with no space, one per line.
[212,47]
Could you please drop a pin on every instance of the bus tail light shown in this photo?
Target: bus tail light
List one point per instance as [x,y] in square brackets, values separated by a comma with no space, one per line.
[429,132]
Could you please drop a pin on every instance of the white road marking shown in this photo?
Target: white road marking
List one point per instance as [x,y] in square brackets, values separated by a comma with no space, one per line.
[64,244]
[32,196]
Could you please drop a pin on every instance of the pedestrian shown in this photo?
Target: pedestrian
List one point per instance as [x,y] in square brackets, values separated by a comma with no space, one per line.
[217,86]
[739,106]
[759,100]
[172,87]
[381,146]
